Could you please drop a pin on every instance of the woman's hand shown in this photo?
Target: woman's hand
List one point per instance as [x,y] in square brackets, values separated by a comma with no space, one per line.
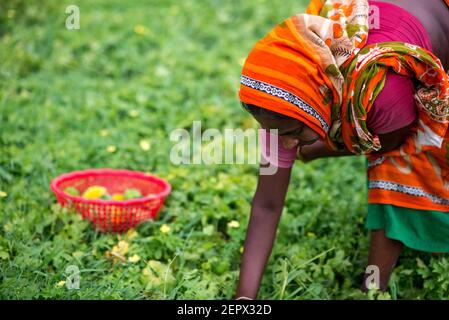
[318,150]
[311,152]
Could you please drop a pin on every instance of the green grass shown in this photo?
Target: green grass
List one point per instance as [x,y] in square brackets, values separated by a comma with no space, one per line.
[65,96]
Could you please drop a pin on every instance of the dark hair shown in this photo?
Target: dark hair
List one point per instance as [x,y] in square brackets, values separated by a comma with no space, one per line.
[255,110]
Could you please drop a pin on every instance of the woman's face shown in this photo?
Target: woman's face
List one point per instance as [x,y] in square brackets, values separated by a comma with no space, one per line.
[291,132]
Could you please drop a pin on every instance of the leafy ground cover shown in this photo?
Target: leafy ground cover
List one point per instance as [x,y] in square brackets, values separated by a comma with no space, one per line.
[108,95]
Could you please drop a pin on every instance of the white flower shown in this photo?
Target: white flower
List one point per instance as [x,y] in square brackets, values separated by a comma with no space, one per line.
[133,113]
[134,258]
[111,149]
[145,145]
[233,224]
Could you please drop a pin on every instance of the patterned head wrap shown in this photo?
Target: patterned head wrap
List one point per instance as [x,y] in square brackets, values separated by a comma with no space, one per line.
[315,67]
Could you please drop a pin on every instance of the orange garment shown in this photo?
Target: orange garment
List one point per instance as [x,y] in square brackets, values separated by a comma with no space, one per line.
[416,175]
[312,67]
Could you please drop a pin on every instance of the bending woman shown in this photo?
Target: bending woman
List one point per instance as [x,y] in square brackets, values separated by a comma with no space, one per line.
[351,78]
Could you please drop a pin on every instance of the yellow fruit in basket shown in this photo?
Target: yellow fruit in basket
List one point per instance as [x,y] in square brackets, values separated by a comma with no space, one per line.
[118,196]
[94,192]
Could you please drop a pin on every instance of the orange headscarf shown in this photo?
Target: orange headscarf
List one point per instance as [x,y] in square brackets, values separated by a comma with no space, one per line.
[293,71]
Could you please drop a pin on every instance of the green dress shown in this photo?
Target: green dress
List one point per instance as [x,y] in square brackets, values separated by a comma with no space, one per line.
[424,230]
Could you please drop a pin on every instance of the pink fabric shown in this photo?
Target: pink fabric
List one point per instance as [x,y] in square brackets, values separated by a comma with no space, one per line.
[280,156]
[394,107]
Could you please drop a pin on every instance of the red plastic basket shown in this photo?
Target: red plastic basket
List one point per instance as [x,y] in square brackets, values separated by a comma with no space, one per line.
[113,215]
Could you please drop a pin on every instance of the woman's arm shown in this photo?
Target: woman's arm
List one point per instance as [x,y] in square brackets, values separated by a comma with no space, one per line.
[388,141]
[266,210]
[319,150]
[267,206]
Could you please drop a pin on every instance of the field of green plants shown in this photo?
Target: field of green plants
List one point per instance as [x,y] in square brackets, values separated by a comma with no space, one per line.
[108,95]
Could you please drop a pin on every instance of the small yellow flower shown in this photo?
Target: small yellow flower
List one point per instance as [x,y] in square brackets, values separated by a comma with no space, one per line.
[131,234]
[164,228]
[161,71]
[3,194]
[140,29]
[242,249]
[146,272]
[60,283]
[233,224]
[104,133]
[174,10]
[8,227]
[121,248]
[145,145]
[133,113]
[111,149]
[25,93]
[311,235]
[10,13]
[135,258]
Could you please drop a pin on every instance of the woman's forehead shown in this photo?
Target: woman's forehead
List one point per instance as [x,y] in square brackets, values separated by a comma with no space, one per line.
[281,124]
